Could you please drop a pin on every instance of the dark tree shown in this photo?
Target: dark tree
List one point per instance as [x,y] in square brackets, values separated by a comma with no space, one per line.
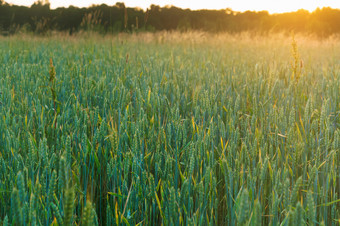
[40,18]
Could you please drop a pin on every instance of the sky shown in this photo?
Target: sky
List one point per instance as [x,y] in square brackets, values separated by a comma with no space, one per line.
[273,6]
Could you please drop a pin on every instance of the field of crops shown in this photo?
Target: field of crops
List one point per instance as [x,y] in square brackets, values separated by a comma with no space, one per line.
[169,129]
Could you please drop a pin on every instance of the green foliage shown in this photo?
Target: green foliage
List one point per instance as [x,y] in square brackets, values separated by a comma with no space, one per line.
[169,129]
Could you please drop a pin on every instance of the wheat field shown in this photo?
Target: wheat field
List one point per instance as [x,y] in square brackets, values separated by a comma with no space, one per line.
[169,129]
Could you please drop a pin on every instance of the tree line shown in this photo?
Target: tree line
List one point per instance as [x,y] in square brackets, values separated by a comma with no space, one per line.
[40,18]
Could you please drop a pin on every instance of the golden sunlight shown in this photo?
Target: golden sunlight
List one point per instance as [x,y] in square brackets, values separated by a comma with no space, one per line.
[272,6]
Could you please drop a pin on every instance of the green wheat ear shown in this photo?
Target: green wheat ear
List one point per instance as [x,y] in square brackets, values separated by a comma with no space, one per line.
[5,222]
[295,192]
[57,214]
[87,219]
[52,187]
[257,214]
[16,205]
[95,218]
[291,218]
[244,208]
[68,208]
[299,215]
[310,208]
